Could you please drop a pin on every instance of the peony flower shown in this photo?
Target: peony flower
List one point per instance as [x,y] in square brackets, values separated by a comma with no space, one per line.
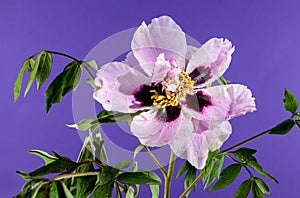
[171,81]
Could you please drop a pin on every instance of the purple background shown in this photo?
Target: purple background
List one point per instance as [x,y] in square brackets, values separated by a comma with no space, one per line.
[267,59]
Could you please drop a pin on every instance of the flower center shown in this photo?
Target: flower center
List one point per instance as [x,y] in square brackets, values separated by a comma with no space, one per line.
[176,84]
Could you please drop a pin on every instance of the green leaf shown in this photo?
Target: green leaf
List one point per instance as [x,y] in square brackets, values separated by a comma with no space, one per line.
[44,64]
[228,175]
[60,165]
[53,190]
[137,150]
[259,169]
[123,165]
[144,177]
[62,84]
[209,164]
[256,192]
[130,192]
[183,169]
[39,191]
[82,125]
[67,192]
[222,81]
[109,117]
[44,155]
[244,189]
[298,120]
[154,190]
[29,188]
[108,174]
[262,185]
[215,173]
[32,76]
[283,127]
[245,155]
[18,84]
[190,177]
[100,151]
[104,191]
[86,184]
[24,175]
[290,102]
[92,64]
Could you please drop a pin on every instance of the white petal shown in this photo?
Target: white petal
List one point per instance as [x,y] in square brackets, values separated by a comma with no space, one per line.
[117,82]
[152,131]
[163,35]
[215,55]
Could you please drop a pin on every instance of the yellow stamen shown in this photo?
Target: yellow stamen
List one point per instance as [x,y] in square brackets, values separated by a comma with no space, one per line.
[183,85]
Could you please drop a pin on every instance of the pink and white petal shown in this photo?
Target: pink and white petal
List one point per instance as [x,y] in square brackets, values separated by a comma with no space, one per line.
[152,131]
[117,82]
[220,102]
[163,35]
[133,62]
[161,68]
[234,99]
[214,55]
[116,101]
[190,52]
[189,145]
[215,132]
[204,136]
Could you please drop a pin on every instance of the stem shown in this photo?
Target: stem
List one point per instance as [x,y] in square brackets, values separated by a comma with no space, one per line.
[162,169]
[246,141]
[192,185]
[72,58]
[244,165]
[168,179]
[71,175]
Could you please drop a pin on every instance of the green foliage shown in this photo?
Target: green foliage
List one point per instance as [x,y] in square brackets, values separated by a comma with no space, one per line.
[44,65]
[44,155]
[190,175]
[123,165]
[222,80]
[245,155]
[140,177]
[82,125]
[228,175]
[244,189]
[108,174]
[283,127]
[29,63]
[29,189]
[92,64]
[290,102]
[262,185]
[60,165]
[62,84]
[104,191]
[213,167]
[154,190]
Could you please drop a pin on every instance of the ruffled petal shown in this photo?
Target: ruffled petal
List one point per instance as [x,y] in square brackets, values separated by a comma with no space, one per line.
[211,60]
[162,36]
[224,102]
[197,138]
[151,130]
[117,82]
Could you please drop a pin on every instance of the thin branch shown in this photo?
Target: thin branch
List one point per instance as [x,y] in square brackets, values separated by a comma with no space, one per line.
[162,169]
[246,141]
[192,185]
[168,179]
[71,175]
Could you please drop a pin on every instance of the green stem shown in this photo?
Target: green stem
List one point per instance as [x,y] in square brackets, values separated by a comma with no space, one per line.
[168,179]
[192,185]
[162,169]
[246,141]
[71,175]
